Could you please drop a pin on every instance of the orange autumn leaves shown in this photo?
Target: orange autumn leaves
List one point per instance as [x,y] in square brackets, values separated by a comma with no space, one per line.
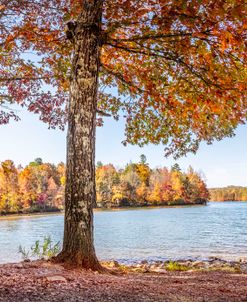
[176,70]
[184,68]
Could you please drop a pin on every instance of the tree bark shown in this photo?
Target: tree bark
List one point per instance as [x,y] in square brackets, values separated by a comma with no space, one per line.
[80,197]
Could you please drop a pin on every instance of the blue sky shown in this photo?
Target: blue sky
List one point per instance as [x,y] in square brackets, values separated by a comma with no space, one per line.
[223,163]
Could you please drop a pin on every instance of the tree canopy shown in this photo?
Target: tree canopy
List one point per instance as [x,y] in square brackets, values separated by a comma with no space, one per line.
[176,70]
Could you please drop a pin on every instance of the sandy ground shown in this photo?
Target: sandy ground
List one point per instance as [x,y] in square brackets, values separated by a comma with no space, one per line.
[43,281]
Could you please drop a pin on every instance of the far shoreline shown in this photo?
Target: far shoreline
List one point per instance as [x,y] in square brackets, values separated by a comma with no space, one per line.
[111,209]
[99,209]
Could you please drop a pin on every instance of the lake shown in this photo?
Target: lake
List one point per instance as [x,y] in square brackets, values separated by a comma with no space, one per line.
[198,232]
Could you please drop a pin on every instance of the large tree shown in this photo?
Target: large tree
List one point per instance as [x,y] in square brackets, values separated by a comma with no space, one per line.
[176,69]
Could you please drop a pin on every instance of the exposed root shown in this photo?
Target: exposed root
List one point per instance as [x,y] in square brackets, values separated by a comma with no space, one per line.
[79,261]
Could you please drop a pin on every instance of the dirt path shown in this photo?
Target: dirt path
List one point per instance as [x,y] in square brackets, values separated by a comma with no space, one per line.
[42,281]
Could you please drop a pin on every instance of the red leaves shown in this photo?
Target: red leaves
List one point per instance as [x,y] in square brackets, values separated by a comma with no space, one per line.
[5,117]
[32,34]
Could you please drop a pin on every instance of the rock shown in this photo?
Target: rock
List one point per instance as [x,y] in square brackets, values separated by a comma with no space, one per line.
[18,266]
[190,271]
[56,279]
[188,263]
[144,262]
[212,258]
[159,270]
[198,264]
[113,263]
[243,268]
[218,263]
[146,270]
[137,270]
[233,263]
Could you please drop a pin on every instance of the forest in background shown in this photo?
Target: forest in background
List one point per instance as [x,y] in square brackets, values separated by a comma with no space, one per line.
[229,193]
[39,187]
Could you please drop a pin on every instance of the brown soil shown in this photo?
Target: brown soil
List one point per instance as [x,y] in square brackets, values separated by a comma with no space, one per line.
[44,281]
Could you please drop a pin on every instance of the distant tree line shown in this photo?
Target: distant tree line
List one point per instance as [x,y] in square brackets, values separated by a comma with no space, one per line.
[230,193]
[39,187]
[138,185]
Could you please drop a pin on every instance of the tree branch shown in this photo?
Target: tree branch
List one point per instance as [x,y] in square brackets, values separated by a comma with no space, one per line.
[158,36]
[23,78]
[120,77]
[102,113]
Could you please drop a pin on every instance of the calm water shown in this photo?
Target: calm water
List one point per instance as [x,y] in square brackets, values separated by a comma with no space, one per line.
[219,229]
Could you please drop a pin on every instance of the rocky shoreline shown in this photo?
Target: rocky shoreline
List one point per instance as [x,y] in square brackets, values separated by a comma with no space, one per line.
[211,264]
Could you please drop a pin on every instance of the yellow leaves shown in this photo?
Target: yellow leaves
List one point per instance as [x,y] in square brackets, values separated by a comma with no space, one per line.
[227,40]
[155,195]
[143,171]
[117,196]
[63,180]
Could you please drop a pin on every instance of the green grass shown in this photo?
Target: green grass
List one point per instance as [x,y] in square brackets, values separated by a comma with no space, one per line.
[175,266]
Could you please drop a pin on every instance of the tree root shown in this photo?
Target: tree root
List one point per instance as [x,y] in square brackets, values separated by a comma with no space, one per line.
[78,261]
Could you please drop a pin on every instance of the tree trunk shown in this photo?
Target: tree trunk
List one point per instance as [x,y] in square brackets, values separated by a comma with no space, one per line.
[80,197]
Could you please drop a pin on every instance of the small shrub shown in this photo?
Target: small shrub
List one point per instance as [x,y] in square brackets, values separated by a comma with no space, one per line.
[24,253]
[46,250]
[175,266]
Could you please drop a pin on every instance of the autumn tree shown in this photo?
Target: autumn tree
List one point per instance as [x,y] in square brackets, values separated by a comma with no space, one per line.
[9,188]
[179,69]
[198,187]
[130,179]
[106,178]
[39,185]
